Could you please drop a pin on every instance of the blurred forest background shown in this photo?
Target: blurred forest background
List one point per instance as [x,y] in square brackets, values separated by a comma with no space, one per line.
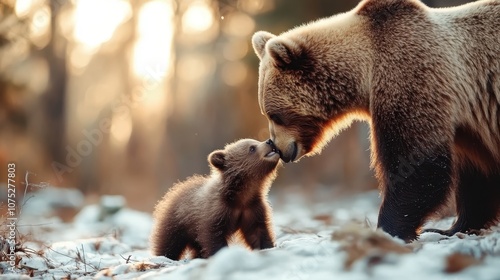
[128,97]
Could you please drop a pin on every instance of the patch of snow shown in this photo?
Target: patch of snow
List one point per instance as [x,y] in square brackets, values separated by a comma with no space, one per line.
[46,200]
[325,240]
[133,226]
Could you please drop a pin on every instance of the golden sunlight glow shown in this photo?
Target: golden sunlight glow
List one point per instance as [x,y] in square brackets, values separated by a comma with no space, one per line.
[195,67]
[23,7]
[234,73]
[40,27]
[256,6]
[153,48]
[197,18]
[121,129]
[251,5]
[235,49]
[151,100]
[79,58]
[238,24]
[97,20]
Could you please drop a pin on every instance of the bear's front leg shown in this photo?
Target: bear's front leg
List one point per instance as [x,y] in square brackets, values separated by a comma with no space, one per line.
[415,170]
[414,189]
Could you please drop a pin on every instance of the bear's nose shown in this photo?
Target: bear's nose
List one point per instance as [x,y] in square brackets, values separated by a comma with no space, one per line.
[271,143]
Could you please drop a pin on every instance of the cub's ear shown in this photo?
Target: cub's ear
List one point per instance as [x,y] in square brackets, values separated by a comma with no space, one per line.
[284,52]
[259,40]
[217,159]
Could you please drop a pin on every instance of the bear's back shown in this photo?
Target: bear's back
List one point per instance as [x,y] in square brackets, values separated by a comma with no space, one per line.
[473,44]
[472,31]
[447,56]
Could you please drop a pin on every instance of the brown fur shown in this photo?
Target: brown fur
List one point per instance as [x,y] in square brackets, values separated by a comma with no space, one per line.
[427,80]
[457,262]
[203,212]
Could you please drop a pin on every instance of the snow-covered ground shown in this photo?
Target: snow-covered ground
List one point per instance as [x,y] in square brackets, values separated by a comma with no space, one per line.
[324,240]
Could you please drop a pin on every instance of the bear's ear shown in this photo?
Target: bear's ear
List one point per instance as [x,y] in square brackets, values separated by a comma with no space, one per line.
[217,159]
[284,52]
[259,40]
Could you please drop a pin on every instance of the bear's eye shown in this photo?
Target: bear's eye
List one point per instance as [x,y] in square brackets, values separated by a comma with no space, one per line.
[277,119]
[252,149]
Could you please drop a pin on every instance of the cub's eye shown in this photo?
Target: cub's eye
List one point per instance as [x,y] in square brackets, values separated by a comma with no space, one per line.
[277,119]
[252,149]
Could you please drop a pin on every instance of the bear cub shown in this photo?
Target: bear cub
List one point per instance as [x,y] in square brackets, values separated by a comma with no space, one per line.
[202,212]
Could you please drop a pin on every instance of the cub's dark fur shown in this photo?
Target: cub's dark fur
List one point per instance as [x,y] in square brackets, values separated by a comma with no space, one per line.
[204,211]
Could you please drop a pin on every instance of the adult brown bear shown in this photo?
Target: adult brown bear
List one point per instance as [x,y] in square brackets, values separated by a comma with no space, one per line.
[428,82]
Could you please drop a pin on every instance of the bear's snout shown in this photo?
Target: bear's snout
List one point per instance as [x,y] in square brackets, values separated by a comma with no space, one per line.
[290,154]
[273,147]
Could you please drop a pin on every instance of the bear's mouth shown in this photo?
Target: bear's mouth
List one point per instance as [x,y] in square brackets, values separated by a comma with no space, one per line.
[273,152]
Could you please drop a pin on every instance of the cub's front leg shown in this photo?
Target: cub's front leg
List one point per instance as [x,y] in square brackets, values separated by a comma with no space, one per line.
[257,228]
[213,234]
[212,246]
